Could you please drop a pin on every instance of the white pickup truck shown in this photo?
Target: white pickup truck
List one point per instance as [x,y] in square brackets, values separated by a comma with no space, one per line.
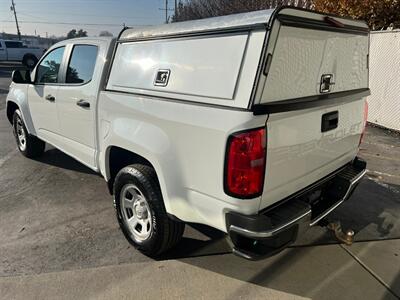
[248,123]
[16,51]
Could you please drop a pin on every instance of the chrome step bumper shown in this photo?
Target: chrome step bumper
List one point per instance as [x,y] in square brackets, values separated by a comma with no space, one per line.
[273,229]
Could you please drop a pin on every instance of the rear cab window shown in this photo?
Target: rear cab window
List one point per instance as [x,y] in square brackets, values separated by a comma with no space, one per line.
[81,64]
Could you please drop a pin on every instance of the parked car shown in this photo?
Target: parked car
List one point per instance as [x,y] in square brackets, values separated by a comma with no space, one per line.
[16,51]
[248,123]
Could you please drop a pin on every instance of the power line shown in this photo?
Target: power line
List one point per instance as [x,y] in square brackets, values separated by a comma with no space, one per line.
[71,23]
[62,2]
[85,15]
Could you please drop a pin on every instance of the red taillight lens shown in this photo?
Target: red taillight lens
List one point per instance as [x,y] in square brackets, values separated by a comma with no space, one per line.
[364,122]
[245,163]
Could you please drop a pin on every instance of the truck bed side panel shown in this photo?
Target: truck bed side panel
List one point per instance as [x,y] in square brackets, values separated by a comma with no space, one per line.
[186,145]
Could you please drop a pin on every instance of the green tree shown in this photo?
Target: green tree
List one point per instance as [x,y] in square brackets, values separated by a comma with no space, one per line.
[105,33]
[379,14]
[81,33]
[75,34]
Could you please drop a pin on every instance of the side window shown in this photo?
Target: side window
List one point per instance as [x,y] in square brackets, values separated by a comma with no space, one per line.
[81,64]
[14,44]
[47,71]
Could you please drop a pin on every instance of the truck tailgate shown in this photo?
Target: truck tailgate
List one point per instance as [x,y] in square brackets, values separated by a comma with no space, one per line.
[299,154]
[316,78]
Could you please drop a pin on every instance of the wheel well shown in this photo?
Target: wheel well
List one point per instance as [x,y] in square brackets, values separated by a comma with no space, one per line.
[119,158]
[11,108]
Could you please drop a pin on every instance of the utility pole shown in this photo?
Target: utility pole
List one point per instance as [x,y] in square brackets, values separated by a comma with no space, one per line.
[16,20]
[176,6]
[176,11]
[166,11]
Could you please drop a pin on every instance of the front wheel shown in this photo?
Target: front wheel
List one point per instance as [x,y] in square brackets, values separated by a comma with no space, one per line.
[29,145]
[141,213]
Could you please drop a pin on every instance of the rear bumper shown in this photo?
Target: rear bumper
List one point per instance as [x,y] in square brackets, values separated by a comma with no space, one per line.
[273,229]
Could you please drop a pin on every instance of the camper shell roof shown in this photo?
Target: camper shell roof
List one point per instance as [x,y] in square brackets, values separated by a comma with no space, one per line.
[242,21]
[229,22]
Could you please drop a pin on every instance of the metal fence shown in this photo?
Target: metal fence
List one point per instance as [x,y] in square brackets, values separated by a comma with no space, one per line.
[384,102]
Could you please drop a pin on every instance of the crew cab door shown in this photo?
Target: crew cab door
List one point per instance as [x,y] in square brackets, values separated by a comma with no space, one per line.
[76,102]
[42,96]
[3,51]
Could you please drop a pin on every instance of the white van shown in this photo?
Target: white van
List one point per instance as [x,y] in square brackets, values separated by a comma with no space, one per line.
[248,123]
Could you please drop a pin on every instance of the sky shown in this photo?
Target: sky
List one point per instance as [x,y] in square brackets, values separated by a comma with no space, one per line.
[57,17]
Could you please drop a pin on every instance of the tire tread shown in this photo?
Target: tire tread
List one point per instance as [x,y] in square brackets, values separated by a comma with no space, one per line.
[34,146]
[170,230]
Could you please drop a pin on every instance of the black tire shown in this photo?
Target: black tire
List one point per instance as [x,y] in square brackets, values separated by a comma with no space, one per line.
[165,232]
[29,61]
[33,147]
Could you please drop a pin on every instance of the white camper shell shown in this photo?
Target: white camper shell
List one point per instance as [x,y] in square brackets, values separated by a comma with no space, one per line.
[186,99]
[222,58]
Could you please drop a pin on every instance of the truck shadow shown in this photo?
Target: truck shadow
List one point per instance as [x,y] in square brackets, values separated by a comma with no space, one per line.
[56,158]
[312,266]
[373,213]
[315,263]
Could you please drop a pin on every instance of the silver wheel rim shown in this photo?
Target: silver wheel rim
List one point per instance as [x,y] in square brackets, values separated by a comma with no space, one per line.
[136,212]
[20,132]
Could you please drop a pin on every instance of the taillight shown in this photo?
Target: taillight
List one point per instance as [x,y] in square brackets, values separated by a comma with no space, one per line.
[245,163]
[364,122]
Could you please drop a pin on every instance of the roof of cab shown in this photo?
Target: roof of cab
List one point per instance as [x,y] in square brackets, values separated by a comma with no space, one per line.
[249,19]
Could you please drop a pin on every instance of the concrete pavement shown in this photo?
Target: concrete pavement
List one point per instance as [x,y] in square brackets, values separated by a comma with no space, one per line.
[59,239]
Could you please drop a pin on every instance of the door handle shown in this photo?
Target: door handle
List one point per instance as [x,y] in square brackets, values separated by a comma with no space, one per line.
[83,103]
[50,98]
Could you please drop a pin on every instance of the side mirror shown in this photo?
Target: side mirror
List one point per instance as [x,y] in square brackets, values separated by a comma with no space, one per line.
[21,76]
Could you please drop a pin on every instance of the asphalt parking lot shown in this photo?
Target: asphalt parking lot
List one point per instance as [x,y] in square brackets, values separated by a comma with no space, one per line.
[59,238]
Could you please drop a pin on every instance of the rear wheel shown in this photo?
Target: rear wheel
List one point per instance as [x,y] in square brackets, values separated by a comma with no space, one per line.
[29,145]
[141,212]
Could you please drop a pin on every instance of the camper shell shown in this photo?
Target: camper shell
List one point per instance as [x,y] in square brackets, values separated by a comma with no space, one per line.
[231,56]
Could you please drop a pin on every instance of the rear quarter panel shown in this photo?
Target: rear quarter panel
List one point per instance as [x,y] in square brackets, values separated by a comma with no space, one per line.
[186,145]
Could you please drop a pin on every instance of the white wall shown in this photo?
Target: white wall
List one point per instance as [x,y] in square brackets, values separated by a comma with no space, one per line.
[384,102]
